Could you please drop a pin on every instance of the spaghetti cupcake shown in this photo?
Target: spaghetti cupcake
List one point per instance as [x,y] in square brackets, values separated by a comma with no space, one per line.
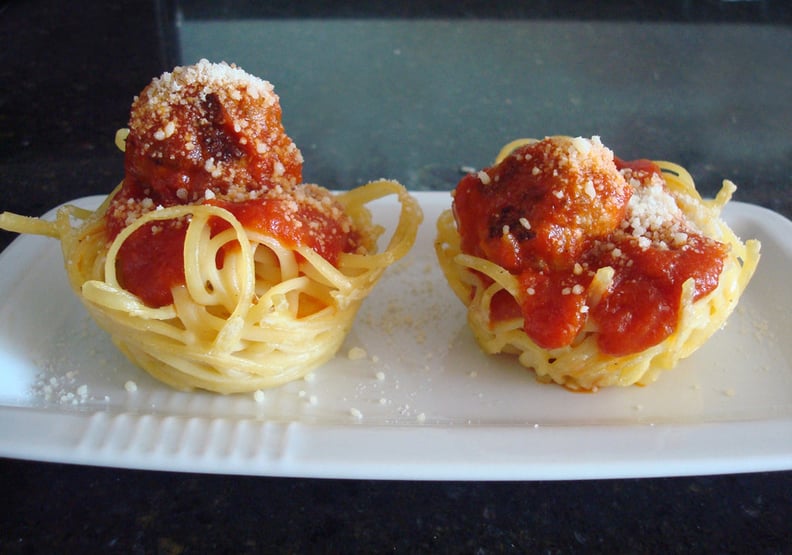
[593,270]
[212,265]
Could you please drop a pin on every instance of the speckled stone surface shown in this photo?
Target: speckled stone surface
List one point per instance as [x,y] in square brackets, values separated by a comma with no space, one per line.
[83,509]
[67,77]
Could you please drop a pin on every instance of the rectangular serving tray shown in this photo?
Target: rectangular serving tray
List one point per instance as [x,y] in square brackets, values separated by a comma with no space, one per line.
[422,403]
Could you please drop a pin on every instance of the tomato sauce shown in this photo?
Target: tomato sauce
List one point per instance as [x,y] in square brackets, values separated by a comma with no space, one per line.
[546,227]
[308,226]
[151,261]
[642,307]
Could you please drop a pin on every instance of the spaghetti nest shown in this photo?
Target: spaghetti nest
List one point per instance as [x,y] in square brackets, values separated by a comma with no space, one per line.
[267,315]
[582,365]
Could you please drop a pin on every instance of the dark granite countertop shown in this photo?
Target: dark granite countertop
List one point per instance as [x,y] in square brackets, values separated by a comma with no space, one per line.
[67,76]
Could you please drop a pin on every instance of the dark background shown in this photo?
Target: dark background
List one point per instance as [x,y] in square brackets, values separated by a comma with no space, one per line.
[67,75]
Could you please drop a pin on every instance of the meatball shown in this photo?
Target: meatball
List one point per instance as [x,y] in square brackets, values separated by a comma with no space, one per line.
[206,130]
[541,205]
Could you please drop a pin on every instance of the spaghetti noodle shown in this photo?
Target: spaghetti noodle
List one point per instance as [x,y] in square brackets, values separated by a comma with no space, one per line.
[595,272]
[211,266]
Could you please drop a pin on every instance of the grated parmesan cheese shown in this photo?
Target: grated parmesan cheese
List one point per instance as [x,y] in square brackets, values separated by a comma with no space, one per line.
[653,216]
[356,353]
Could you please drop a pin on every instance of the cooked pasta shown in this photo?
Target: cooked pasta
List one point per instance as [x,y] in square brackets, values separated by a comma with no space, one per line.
[587,270]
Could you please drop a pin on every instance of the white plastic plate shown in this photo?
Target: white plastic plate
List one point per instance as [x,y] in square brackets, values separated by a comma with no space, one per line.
[421,403]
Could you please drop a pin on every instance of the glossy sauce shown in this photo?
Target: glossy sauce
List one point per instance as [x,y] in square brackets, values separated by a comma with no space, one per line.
[151,261]
[308,226]
[569,235]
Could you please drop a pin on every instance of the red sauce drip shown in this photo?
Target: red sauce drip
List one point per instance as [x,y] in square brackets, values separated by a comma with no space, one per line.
[642,306]
[555,312]
[150,264]
[562,249]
